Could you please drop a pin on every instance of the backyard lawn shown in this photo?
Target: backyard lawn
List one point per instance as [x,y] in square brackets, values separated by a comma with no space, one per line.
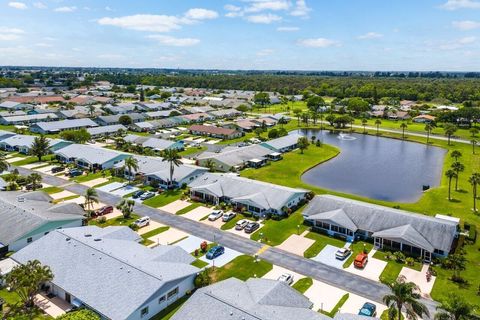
[164,198]
[242,267]
[275,232]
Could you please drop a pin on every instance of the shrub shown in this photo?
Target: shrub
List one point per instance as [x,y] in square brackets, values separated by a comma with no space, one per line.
[410,261]
[204,246]
[472,234]
[133,226]
[102,220]
[399,257]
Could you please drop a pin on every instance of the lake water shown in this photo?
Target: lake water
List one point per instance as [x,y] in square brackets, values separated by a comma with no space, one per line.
[377,168]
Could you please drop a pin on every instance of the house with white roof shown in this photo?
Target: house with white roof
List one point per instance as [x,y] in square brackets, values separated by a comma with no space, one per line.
[283,144]
[106,130]
[13,105]
[58,126]
[23,143]
[154,143]
[109,272]
[90,157]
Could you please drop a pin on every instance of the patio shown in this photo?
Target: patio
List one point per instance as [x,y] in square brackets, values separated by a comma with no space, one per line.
[420,279]
[296,244]
[54,307]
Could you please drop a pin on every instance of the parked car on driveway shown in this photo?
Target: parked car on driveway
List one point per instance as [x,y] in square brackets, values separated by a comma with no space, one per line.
[58,169]
[342,253]
[215,252]
[147,195]
[137,194]
[142,222]
[215,215]
[361,260]
[287,278]
[75,173]
[103,211]
[241,224]
[228,216]
[31,186]
[252,226]
[368,310]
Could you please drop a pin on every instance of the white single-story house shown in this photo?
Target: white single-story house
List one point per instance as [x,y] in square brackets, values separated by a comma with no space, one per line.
[154,143]
[283,144]
[90,157]
[58,126]
[106,130]
[23,143]
[13,105]
[28,118]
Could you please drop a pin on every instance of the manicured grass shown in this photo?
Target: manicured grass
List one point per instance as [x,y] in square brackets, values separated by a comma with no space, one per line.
[118,221]
[199,264]
[169,311]
[91,176]
[200,253]
[192,150]
[393,268]
[66,198]
[51,190]
[337,307]
[321,241]
[111,180]
[189,208]
[275,232]
[164,198]
[154,232]
[242,267]
[357,247]
[303,284]
[30,160]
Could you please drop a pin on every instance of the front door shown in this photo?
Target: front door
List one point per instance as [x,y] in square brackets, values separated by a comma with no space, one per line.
[427,256]
[68,298]
[378,243]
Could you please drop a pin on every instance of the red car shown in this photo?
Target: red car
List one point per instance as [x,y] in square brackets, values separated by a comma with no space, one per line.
[361,260]
[103,211]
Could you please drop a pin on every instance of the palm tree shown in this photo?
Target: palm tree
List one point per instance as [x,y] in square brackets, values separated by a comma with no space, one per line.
[364,124]
[210,165]
[4,165]
[131,164]
[91,197]
[449,130]
[403,126]
[34,179]
[378,122]
[474,181]
[450,175]
[455,307]
[172,157]
[457,167]
[405,295]
[40,147]
[456,155]
[456,262]
[474,143]
[126,207]
[429,127]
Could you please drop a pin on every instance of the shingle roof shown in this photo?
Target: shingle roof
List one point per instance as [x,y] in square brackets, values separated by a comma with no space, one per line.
[283,142]
[91,154]
[234,156]
[111,274]
[65,124]
[106,129]
[255,299]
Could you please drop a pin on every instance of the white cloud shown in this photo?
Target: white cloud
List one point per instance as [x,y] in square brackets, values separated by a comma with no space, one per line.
[461,4]
[265,52]
[111,56]
[263,18]
[18,5]
[145,22]
[288,29]
[234,14]
[201,14]
[65,9]
[107,8]
[231,7]
[10,34]
[466,25]
[301,9]
[457,44]
[317,43]
[40,5]
[174,42]
[370,35]
[43,45]
[274,5]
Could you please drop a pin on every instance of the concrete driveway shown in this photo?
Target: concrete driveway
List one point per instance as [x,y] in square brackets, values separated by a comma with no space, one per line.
[190,244]
[46,169]
[216,224]
[222,260]
[372,270]
[327,256]
[324,296]
[14,159]
[111,186]
[152,226]
[277,271]
[123,191]
[420,279]
[62,194]
[242,233]
[296,244]
[175,206]
[94,182]
[355,303]
[168,237]
[34,165]
[198,213]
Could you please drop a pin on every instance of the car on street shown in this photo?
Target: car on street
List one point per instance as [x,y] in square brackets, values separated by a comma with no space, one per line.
[368,310]
[215,252]
[75,173]
[228,216]
[342,253]
[103,211]
[58,169]
[251,227]
[137,194]
[361,260]
[287,278]
[142,222]
[215,215]
[147,195]
[241,224]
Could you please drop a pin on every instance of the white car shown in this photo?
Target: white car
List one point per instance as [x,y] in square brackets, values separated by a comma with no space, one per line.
[142,222]
[287,278]
[342,253]
[241,224]
[215,215]
[228,216]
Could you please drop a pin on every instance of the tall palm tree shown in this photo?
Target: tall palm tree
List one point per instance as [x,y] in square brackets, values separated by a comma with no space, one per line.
[173,158]
[131,164]
[364,124]
[378,122]
[405,295]
[457,167]
[91,197]
[35,180]
[429,127]
[454,308]
[449,130]
[4,165]
[474,143]
[450,175]
[474,181]
[456,155]
[403,126]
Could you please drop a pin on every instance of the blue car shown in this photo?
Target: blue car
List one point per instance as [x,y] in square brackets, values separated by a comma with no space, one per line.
[368,310]
[215,252]
[137,194]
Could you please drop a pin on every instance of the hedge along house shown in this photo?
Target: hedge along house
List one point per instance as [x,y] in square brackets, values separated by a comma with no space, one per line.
[90,157]
[388,228]
[260,198]
[26,217]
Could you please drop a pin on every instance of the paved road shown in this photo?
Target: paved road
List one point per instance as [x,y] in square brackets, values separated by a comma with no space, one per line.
[336,277]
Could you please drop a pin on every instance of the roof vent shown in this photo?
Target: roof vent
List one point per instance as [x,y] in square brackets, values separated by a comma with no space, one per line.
[97,239]
[21,199]
[88,235]
[67,239]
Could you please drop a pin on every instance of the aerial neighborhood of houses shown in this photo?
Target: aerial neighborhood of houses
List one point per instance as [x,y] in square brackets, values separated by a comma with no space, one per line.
[152,203]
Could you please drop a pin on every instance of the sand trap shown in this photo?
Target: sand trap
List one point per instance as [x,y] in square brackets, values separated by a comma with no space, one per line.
[94,182]
[175,206]
[296,244]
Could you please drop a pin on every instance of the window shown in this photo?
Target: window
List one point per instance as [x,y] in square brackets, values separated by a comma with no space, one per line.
[46,233]
[162,299]
[144,312]
[29,240]
[172,293]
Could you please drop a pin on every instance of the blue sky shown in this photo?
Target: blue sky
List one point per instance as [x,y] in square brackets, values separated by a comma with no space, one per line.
[243,34]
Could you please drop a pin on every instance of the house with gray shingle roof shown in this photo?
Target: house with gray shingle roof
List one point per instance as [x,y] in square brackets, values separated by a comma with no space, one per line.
[388,228]
[106,130]
[23,143]
[108,271]
[254,299]
[90,157]
[154,143]
[115,119]
[283,144]
[26,217]
[58,126]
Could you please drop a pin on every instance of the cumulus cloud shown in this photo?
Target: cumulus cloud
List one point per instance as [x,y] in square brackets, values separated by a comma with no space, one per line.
[145,22]
[317,43]
[457,44]
[201,14]
[261,5]
[288,29]
[301,9]
[370,35]
[66,9]
[18,5]
[232,8]
[461,4]
[10,34]
[40,5]
[466,25]
[174,42]
[263,18]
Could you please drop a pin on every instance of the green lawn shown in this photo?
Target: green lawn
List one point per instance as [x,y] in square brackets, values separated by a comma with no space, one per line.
[199,264]
[192,150]
[164,198]
[189,208]
[303,284]
[51,190]
[393,268]
[169,311]
[118,221]
[337,307]
[242,267]
[321,241]
[30,160]
[11,298]
[91,176]
[275,232]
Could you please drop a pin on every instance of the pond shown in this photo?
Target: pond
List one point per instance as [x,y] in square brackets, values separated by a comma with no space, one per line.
[375,167]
